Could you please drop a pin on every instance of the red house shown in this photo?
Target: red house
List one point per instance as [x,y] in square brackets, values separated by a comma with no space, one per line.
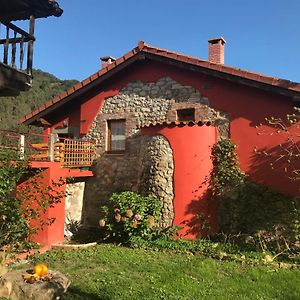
[154,116]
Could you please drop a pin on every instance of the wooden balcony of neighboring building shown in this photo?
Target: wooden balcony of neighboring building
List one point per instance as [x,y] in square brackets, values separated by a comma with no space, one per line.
[16,44]
[41,149]
[16,59]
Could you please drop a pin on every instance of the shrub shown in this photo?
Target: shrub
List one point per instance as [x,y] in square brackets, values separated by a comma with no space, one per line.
[129,214]
[23,205]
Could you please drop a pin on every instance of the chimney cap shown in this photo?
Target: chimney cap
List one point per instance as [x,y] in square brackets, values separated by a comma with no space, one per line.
[216,40]
[107,58]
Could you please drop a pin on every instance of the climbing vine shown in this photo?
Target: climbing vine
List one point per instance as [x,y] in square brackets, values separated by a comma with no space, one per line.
[226,174]
[250,208]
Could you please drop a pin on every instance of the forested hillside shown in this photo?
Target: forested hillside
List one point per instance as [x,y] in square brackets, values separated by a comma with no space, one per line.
[45,86]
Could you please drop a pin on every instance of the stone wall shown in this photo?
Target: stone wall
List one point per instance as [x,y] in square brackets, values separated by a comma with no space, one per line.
[146,166]
[156,178]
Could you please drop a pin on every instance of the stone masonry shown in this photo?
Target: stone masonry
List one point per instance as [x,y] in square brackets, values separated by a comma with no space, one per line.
[145,167]
[156,178]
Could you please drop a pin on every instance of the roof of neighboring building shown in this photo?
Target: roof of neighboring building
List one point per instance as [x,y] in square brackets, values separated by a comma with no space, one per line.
[13,10]
[276,85]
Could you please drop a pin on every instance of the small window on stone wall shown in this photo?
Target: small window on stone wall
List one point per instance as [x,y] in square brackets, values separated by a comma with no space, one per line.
[187,114]
[116,136]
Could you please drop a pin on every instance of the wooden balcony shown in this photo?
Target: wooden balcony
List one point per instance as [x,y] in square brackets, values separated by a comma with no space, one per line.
[70,153]
[16,55]
[16,45]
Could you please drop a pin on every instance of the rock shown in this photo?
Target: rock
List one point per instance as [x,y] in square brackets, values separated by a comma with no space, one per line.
[14,287]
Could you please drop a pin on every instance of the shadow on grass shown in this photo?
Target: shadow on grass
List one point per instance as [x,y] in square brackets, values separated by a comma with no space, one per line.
[76,293]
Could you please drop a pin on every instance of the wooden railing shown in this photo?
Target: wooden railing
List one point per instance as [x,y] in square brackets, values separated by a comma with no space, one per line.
[78,153]
[17,46]
[70,153]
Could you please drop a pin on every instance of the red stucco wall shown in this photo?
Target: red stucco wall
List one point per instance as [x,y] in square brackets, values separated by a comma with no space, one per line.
[53,233]
[246,106]
[191,147]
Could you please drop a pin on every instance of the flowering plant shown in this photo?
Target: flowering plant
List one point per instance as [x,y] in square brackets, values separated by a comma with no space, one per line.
[130,214]
[138,217]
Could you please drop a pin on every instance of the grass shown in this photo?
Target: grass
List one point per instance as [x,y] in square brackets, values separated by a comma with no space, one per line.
[111,272]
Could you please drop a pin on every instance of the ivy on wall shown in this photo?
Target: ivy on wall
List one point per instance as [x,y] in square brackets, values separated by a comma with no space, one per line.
[226,174]
[250,208]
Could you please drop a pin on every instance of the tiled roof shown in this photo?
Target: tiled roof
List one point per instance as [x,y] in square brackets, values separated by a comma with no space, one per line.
[177,123]
[281,84]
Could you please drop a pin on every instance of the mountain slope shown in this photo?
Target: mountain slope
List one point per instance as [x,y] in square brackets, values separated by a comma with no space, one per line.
[45,86]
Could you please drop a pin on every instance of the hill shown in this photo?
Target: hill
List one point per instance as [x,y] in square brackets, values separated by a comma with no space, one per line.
[45,86]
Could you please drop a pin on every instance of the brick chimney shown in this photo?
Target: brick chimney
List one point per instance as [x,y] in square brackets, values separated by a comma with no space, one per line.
[106,60]
[216,50]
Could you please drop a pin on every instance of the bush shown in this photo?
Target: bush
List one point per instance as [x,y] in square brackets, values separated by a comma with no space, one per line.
[22,205]
[129,214]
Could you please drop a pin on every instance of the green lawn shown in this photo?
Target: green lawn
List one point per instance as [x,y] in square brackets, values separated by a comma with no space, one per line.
[111,272]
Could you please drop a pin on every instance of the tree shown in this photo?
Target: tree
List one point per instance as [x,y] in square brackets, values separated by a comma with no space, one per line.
[288,152]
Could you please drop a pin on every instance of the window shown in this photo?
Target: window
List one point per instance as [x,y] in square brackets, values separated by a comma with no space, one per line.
[187,114]
[116,136]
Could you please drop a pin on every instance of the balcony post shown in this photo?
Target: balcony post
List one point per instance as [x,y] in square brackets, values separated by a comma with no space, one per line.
[6,46]
[51,142]
[22,147]
[30,45]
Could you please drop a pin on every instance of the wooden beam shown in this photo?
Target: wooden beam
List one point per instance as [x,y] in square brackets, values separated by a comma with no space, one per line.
[30,45]
[5,54]
[20,31]
[13,52]
[16,40]
[44,122]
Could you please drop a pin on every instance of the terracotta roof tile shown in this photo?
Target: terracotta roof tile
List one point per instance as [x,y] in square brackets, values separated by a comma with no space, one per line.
[143,47]
[177,123]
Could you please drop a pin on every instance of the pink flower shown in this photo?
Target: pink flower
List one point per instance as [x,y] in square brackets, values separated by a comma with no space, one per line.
[138,217]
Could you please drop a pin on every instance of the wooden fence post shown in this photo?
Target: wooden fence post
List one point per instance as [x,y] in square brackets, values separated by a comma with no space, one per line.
[51,141]
[22,147]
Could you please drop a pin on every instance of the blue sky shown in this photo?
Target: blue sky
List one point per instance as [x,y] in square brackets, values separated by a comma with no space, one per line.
[262,35]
